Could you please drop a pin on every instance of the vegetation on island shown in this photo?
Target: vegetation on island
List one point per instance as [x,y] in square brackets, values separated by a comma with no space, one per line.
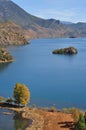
[68,50]
[5,56]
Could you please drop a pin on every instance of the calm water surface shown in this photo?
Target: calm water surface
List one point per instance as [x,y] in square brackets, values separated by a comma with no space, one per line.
[10,122]
[58,80]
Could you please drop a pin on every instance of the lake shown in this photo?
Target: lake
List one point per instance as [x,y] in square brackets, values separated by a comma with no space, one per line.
[53,80]
[12,121]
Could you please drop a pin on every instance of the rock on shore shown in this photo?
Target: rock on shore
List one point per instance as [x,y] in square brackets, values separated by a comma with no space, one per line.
[5,56]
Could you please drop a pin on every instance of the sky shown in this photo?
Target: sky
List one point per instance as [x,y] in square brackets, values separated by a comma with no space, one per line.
[64,10]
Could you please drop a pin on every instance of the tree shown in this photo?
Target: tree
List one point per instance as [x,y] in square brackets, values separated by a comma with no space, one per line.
[21,94]
[85,117]
[1,99]
[80,125]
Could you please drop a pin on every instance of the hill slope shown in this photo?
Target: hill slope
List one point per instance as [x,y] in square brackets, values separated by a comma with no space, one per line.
[10,34]
[38,27]
[10,11]
[5,56]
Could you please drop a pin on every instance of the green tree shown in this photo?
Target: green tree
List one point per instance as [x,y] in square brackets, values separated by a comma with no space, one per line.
[80,125]
[21,94]
[85,117]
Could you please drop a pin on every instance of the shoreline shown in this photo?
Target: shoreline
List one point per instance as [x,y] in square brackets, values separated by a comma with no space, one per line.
[34,120]
[43,119]
[6,61]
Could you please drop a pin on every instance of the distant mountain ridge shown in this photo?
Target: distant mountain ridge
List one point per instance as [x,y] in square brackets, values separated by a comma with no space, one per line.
[38,27]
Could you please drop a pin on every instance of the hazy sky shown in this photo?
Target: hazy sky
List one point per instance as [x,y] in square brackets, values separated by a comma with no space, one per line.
[64,10]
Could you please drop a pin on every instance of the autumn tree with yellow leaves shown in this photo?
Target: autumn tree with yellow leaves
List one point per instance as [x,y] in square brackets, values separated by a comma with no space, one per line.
[21,94]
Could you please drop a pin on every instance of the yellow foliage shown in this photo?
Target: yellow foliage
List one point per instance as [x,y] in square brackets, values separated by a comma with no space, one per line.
[1,98]
[21,94]
[75,114]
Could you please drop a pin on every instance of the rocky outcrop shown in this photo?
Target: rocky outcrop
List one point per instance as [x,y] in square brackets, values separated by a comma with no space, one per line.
[69,51]
[12,34]
[5,56]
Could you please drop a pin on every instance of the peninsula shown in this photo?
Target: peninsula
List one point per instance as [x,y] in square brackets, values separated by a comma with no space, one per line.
[5,56]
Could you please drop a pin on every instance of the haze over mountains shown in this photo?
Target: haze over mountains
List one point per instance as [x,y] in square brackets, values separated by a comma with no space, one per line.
[38,27]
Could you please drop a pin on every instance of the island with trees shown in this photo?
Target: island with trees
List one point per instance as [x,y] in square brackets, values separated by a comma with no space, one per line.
[68,51]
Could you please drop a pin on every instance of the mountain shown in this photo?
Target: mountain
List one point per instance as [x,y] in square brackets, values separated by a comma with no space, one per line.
[80,28]
[10,11]
[66,22]
[38,27]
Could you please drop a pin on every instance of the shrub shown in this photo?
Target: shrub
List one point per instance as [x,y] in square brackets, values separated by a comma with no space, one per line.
[52,109]
[80,125]
[65,110]
[75,114]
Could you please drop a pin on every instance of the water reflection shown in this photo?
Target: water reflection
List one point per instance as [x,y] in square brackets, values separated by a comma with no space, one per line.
[4,66]
[19,123]
[12,121]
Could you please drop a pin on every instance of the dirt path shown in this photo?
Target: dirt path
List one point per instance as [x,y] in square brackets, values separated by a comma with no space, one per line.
[57,121]
[44,120]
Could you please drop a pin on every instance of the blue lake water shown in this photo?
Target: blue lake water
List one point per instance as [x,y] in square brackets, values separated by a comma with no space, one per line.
[58,80]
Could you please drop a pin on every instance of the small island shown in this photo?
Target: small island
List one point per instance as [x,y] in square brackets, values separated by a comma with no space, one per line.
[68,50]
[5,56]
